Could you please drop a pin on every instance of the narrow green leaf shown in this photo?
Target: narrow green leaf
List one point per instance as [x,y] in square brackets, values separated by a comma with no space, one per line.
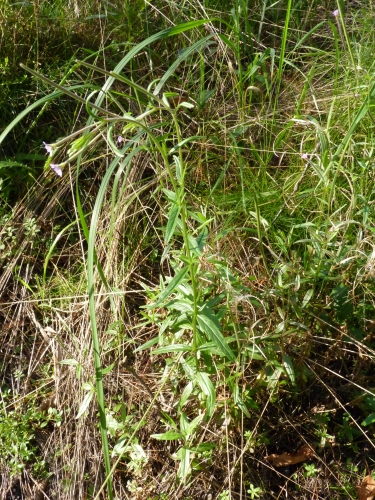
[264,222]
[184,423]
[209,324]
[184,306]
[185,394]
[182,143]
[147,344]
[168,436]
[203,447]
[173,284]
[184,468]
[85,403]
[190,429]
[72,362]
[185,104]
[208,390]
[196,245]
[357,119]
[197,47]
[233,386]
[226,40]
[173,215]
[108,369]
[370,402]
[273,379]
[120,447]
[241,405]
[174,30]
[369,420]
[202,238]
[178,168]
[307,297]
[171,195]
[287,362]
[172,348]
[113,425]
[88,386]
[5,164]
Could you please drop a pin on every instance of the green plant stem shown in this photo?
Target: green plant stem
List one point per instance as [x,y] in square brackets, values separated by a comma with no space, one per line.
[341,22]
[282,52]
[185,232]
[259,230]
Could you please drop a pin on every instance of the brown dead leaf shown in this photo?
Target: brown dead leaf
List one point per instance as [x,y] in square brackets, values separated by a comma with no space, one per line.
[366,490]
[304,453]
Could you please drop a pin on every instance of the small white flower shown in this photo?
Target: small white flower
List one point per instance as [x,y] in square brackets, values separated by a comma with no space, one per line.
[335,12]
[56,169]
[305,156]
[49,148]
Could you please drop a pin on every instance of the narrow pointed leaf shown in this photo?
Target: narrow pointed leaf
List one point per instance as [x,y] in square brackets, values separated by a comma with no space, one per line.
[173,215]
[184,468]
[147,344]
[369,420]
[173,284]
[209,324]
[186,394]
[288,364]
[172,348]
[208,390]
[85,404]
[167,436]
[307,297]
[190,429]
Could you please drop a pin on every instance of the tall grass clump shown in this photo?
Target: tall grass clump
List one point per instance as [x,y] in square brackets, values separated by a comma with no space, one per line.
[187,277]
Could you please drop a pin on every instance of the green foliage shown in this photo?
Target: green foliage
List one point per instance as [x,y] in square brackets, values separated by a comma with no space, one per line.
[18,449]
[369,405]
[224,495]
[189,455]
[223,163]
[310,470]
[254,492]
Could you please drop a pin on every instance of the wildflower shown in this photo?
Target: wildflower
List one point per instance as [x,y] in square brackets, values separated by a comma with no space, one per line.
[120,139]
[56,169]
[356,95]
[49,148]
[305,156]
[335,12]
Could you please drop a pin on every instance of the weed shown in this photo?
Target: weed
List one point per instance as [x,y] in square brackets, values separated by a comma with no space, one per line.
[310,470]
[17,432]
[254,492]
[187,237]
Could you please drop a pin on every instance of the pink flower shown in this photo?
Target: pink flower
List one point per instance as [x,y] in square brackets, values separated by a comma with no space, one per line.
[356,95]
[305,156]
[56,169]
[48,148]
[335,12]
[120,139]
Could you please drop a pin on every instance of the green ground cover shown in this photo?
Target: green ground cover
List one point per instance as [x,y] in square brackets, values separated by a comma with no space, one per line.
[187,254]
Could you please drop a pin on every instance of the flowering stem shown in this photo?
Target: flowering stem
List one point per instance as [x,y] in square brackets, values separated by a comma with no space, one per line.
[339,14]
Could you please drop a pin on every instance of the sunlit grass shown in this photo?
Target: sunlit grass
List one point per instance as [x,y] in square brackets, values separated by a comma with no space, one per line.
[205,259]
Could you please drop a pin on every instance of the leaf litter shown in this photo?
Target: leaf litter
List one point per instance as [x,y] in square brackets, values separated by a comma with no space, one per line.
[366,490]
[306,452]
